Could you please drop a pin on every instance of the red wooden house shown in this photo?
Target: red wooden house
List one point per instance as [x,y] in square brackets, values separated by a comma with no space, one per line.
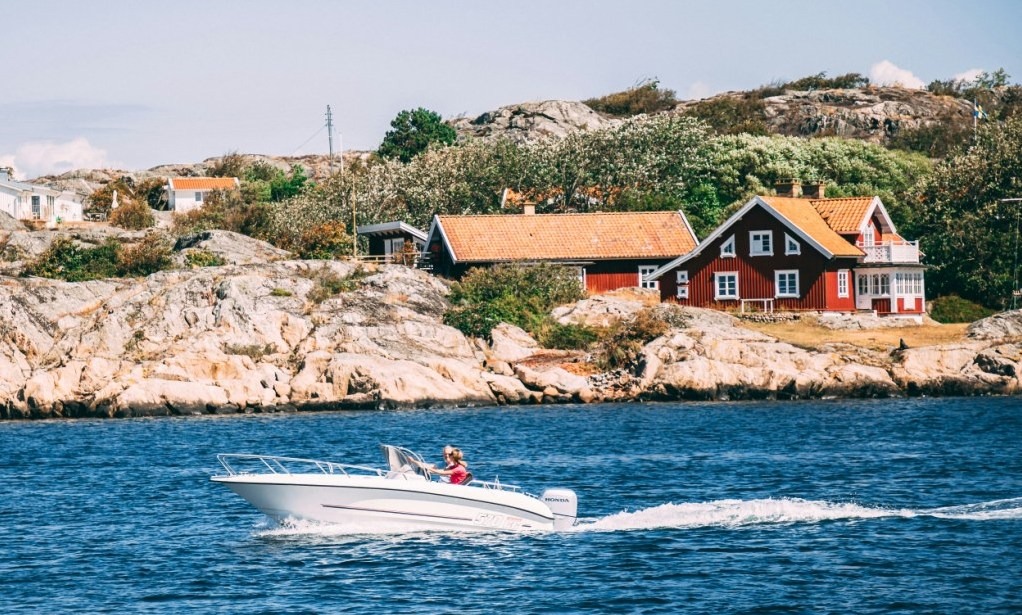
[609,250]
[791,253]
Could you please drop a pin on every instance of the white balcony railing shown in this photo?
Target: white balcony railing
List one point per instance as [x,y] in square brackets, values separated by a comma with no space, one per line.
[891,252]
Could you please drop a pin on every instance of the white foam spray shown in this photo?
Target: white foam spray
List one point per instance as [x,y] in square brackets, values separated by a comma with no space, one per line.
[741,513]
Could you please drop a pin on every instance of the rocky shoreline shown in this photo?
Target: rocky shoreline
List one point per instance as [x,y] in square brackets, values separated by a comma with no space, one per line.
[262,335]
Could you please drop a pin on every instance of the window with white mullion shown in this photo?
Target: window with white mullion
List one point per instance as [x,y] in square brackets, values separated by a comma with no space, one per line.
[725,285]
[681,280]
[761,243]
[786,283]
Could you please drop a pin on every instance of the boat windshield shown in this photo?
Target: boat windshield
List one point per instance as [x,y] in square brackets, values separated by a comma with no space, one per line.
[403,461]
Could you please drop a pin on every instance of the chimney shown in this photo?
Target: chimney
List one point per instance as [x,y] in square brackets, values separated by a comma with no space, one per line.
[529,209]
[815,190]
[789,188]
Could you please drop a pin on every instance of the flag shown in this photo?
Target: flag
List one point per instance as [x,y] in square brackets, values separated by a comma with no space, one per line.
[978,112]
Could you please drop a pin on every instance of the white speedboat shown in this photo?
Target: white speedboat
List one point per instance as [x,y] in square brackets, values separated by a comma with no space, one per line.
[403,497]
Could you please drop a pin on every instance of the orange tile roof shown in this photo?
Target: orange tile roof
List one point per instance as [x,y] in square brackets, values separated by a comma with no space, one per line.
[203,183]
[804,216]
[844,215]
[599,236]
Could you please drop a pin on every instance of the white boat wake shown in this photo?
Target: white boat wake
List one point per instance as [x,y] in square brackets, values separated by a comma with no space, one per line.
[718,513]
[742,513]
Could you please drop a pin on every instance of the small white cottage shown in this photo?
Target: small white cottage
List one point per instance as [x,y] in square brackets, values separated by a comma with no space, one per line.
[187,193]
[24,201]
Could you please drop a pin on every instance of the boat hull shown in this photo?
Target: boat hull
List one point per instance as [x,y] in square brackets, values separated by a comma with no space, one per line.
[377,503]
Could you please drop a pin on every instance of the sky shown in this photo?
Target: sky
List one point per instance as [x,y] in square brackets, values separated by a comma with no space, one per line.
[132,84]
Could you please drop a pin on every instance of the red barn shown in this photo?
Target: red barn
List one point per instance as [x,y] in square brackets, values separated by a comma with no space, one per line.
[790,253]
[609,250]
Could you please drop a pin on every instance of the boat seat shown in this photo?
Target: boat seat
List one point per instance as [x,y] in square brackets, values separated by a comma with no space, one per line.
[468,479]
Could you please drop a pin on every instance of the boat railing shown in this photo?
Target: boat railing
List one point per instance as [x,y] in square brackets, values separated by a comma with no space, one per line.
[494,484]
[272,464]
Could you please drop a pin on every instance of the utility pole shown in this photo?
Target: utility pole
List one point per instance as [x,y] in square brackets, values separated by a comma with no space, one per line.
[330,136]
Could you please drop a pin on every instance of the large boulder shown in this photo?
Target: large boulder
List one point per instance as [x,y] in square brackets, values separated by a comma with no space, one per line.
[232,248]
[999,326]
[533,120]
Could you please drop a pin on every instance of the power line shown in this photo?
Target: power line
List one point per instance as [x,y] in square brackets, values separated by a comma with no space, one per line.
[316,134]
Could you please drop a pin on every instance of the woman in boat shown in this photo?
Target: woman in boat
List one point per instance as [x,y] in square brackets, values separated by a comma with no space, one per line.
[456,468]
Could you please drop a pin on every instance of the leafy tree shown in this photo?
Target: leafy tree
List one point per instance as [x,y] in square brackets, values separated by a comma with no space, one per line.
[967,232]
[284,186]
[413,132]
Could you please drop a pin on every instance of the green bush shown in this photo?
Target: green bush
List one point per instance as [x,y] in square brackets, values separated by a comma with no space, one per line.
[329,284]
[952,308]
[133,216]
[204,258]
[325,241]
[647,97]
[515,294]
[227,211]
[148,256]
[621,345]
[280,292]
[66,260]
[731,115]
[552,334]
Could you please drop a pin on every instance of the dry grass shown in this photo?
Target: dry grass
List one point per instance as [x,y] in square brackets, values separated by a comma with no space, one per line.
[807,334]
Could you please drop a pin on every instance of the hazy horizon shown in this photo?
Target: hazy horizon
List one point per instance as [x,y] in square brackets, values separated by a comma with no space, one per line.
[129,85]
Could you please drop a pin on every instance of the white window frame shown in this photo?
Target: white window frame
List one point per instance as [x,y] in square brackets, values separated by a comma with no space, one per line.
[681,278]
[843,276]
[727,249]
[198,197]
[582,278]
[863,281]
[756,243]
[390,242]
[788,293]
[645,270]
[869,235]
[717,278]
[791,245]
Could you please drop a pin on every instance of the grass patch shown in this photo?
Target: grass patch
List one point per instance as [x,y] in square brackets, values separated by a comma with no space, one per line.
[809,335]
[204,258]
[329,284]
[252,351]
[280,292]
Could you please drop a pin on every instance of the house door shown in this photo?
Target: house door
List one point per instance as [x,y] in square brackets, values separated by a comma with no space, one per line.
[863,296]
[36,210]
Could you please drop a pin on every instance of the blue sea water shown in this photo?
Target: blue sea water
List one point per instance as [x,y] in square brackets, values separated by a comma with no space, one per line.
[903,506]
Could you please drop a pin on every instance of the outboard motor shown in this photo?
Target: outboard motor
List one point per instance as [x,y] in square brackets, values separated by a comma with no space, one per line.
[564,504]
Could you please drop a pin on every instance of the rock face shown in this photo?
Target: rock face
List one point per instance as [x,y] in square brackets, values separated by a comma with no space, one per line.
[872,114]
[269,336]
[533,120]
